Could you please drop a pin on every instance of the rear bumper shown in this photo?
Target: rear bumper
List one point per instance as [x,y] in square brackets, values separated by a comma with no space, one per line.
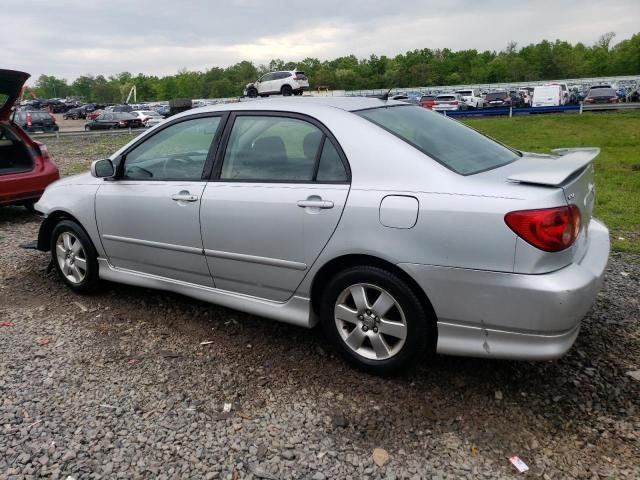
[514,316]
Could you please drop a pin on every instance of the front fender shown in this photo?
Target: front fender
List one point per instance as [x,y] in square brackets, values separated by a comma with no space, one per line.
[70,201]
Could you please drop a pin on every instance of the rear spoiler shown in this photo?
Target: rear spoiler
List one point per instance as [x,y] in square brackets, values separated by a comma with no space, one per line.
[553,171]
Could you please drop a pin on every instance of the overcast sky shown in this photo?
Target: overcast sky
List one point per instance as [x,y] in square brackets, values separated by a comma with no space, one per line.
[68,38]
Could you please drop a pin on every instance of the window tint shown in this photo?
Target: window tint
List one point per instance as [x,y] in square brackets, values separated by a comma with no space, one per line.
[301,76]
[177,152]
[271,148]
[331,168]
[454,145]
[267,77]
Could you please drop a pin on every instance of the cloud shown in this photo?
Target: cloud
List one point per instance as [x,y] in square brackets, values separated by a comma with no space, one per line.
[159,37]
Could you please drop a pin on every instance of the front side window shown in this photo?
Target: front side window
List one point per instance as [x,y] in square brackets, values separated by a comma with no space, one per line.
[447,141]
[274,148]
[178,152]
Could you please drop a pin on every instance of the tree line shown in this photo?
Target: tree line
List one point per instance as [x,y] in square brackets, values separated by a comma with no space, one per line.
[421,67]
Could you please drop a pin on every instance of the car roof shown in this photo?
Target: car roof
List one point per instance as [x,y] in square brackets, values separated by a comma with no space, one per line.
[307,104]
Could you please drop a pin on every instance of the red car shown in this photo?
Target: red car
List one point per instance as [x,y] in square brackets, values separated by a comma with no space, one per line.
[428,101]
[25,166]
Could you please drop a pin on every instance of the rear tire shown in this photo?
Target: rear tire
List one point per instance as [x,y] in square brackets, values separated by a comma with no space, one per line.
[374,319]
[286,90]
[74,257]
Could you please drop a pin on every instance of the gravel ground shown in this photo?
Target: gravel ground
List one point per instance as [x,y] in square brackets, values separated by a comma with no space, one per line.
[118,385]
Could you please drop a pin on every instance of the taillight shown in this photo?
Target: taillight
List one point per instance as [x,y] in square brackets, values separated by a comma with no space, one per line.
[549,229]
[29,124]
[613,100]
[53,119]
[455,102]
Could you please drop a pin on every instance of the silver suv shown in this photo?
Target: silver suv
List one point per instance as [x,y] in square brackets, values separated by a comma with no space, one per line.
[274,83]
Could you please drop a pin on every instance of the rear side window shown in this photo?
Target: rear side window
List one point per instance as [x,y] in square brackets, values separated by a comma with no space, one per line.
[447,141]
[331,168]
[271,149]
[280,149]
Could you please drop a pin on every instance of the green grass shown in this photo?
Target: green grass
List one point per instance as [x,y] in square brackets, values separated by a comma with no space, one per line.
[617,166]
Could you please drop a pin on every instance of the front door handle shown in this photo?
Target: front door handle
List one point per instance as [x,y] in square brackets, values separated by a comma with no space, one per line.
[315,203]
[184,196]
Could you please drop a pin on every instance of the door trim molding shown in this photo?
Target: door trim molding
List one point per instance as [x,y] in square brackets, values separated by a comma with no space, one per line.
[149,243]
[241,257]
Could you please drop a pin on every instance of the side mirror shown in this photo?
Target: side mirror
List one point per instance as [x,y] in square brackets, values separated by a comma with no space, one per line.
[102,168]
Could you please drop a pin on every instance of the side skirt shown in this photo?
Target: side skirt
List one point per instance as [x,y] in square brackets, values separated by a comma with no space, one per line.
[295,311]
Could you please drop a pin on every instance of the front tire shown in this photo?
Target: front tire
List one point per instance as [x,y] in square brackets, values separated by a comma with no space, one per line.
[74,257]
[252,93]
[374,319]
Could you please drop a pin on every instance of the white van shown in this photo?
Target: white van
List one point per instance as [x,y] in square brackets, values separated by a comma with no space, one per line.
[547,96]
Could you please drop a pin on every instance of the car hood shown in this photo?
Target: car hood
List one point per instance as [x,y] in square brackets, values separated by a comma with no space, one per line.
[11,82]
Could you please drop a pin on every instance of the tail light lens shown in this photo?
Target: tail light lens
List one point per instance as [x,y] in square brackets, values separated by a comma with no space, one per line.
[122,123]
[613,100]
[549,229]
[29,123]
[455,102]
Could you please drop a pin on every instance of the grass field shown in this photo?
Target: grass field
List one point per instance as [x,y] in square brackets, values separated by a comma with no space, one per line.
[617,166]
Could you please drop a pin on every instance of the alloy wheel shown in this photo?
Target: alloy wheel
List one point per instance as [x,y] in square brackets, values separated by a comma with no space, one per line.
[370,321]
[72,258]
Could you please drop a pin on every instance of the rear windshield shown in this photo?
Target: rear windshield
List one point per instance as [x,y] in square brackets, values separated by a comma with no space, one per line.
[467,93]
[445,97]
[301,76]
[447,141]
[496,96]
[602,92]
[428,97]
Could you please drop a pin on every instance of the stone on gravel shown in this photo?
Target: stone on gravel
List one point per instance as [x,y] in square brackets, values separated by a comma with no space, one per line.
[380,456]
[635,374]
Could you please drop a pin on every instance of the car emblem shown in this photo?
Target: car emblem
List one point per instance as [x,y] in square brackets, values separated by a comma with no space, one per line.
[571,196]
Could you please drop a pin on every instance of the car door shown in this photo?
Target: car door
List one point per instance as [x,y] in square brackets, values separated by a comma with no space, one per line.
[275,200]
[265,85]
[148,217]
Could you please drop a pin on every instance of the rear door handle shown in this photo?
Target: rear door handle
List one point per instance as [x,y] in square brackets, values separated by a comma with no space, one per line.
[184,196]
[315,203]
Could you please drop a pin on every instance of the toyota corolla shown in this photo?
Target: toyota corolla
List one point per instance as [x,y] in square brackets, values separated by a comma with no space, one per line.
[399,230]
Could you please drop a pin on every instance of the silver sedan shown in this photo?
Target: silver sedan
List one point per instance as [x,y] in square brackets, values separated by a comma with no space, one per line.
[400,231]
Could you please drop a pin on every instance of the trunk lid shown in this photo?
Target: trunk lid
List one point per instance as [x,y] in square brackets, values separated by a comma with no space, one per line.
[570,169]
[11,82]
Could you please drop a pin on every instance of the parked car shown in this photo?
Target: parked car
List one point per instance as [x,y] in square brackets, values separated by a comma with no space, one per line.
[122,108]
[601,95]
[25,166]
[292,82]
[163,110]
[449,102]
[547,96]
[33,121]
[472,98]
[497,100]
[75,114]
[526,94]
[463,247]
[111,120]
[148,117]
[427,101]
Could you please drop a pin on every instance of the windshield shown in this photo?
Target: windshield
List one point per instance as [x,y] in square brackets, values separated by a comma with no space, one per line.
[447,141]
